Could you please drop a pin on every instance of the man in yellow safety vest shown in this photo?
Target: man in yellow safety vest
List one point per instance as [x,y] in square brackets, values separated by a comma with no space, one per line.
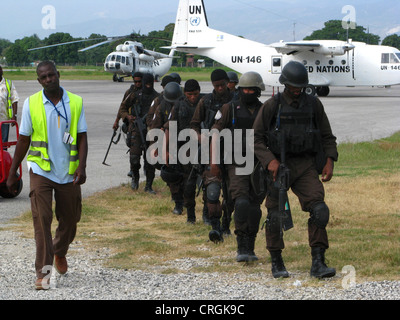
[53,133]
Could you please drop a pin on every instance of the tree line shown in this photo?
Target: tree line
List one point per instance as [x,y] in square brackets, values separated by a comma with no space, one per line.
[17,53]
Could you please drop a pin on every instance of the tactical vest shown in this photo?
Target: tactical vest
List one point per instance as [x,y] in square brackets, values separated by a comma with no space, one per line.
[38,149]
[298,126]
[243,119]
[142,103]
[184,113]
[211,106]
[165,109]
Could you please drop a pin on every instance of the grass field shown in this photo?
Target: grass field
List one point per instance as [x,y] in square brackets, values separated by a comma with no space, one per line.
[98,73]
[142,233]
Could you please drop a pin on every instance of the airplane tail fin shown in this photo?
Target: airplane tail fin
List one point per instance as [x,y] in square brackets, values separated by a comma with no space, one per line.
[191,24]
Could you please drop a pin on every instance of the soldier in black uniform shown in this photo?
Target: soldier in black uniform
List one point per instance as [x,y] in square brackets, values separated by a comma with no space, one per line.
[233,81]
[182,113]
[135,108]
[136,86]
[239,115]
[300,121]
[203,118]
[172,92]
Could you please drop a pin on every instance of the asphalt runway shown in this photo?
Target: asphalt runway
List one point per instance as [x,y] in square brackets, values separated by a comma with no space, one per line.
[356,114]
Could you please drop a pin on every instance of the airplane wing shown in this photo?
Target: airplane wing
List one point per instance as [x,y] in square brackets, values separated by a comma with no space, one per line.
[180,47]
[294,47]
[324,47]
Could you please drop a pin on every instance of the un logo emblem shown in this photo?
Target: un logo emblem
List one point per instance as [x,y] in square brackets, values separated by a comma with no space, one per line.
[195,21]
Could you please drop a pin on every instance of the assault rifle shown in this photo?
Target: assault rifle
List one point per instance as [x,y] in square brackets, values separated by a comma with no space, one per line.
[282,183]
[141,127]
[111,142]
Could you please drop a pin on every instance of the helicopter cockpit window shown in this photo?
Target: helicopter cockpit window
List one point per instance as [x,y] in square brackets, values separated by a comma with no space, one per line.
[127,61]
[390,58]
[118,59]
[123,60]
[113,58]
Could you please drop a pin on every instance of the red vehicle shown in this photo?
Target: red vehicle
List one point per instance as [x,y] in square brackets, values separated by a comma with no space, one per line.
[5,163]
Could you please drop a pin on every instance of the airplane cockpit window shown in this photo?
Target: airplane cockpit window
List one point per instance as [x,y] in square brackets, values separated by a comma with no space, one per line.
[390,58]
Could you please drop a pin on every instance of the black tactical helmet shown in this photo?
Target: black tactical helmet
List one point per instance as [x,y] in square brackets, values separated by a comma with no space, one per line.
[233,77]
[176,77]
[172,92]
[295,74]
[170,174]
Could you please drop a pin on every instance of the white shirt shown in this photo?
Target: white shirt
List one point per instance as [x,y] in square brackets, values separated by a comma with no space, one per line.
[58,151]
[3,98]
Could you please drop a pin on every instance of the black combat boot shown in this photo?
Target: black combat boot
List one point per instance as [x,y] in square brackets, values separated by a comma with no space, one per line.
[191,215]
[215,235]
[178,207]
[251,241]
[278,267]
[135,181]
[148,188]
[135,184]
[242,250]
[318,268]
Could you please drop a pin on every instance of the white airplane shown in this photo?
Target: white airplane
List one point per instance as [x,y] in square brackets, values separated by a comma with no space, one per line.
[129,58]
[329,62]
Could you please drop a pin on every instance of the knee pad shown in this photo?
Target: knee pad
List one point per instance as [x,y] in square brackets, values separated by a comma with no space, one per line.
[319,214]
[242,206]
[213,191]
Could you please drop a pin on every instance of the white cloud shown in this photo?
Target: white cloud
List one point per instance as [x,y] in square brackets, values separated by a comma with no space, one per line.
[393,30]
[101,14]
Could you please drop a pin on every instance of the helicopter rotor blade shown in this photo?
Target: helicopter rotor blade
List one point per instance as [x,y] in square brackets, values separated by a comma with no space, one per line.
[64,43]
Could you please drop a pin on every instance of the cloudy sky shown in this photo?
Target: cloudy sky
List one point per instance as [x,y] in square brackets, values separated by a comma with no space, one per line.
[265,21]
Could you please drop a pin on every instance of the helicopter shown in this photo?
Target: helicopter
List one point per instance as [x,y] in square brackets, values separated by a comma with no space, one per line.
[131,57]
[328,62]
[128,58]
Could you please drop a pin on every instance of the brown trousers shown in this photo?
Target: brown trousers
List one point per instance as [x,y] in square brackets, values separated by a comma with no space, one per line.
[306,185]
[68,208]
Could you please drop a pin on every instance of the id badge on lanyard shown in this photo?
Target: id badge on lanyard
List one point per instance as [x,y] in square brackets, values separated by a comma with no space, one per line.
[67,138]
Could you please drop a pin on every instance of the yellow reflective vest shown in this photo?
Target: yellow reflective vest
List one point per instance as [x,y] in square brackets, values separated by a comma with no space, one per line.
[9,104]
[39,141]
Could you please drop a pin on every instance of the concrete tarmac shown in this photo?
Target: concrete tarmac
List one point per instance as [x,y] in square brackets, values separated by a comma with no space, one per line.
[355,114]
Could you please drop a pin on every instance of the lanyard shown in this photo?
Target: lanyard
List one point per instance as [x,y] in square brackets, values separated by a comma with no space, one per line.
[58,112]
